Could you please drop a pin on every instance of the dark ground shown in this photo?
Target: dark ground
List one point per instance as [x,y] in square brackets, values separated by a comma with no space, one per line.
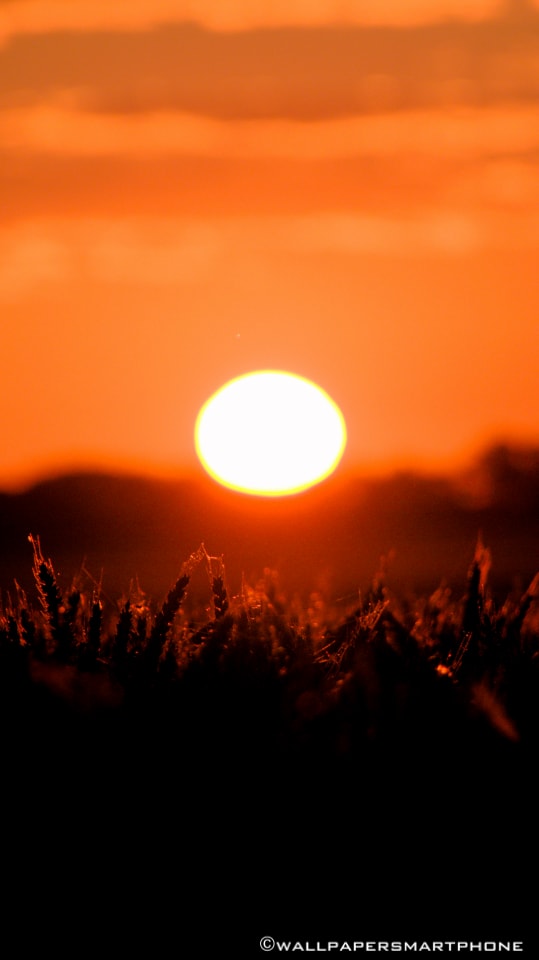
[259,788]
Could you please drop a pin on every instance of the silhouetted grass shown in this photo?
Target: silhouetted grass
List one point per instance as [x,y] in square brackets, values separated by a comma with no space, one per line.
[252,729]
[259,673]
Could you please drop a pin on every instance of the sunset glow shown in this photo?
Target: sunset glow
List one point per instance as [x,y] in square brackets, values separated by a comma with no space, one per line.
[270,433]
[192,190]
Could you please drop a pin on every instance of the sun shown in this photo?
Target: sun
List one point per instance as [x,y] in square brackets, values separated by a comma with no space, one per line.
[270,433]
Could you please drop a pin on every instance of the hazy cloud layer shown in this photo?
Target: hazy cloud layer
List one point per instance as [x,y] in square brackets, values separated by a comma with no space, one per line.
[298,73]
[37,16]
[457,134]
[178,253]
[38,187]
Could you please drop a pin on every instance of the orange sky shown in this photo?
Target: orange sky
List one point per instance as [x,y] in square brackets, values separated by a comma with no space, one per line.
[188,195]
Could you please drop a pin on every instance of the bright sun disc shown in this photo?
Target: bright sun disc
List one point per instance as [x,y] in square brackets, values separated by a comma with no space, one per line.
[270,433]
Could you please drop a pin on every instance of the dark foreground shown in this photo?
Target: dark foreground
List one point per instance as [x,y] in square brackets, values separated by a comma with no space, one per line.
[184,782]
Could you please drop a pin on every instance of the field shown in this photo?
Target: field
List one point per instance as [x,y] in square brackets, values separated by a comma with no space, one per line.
[247,765]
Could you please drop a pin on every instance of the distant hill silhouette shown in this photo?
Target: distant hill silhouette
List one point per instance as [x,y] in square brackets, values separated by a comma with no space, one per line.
[331,538]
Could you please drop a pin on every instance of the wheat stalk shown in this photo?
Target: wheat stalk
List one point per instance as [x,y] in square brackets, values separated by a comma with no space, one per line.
[51,601]
[171,605]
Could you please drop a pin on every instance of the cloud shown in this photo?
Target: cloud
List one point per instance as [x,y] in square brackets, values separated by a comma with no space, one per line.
[49,128]
[32,256]
[37,256]
[302,73]
[43,16]
[152,253]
